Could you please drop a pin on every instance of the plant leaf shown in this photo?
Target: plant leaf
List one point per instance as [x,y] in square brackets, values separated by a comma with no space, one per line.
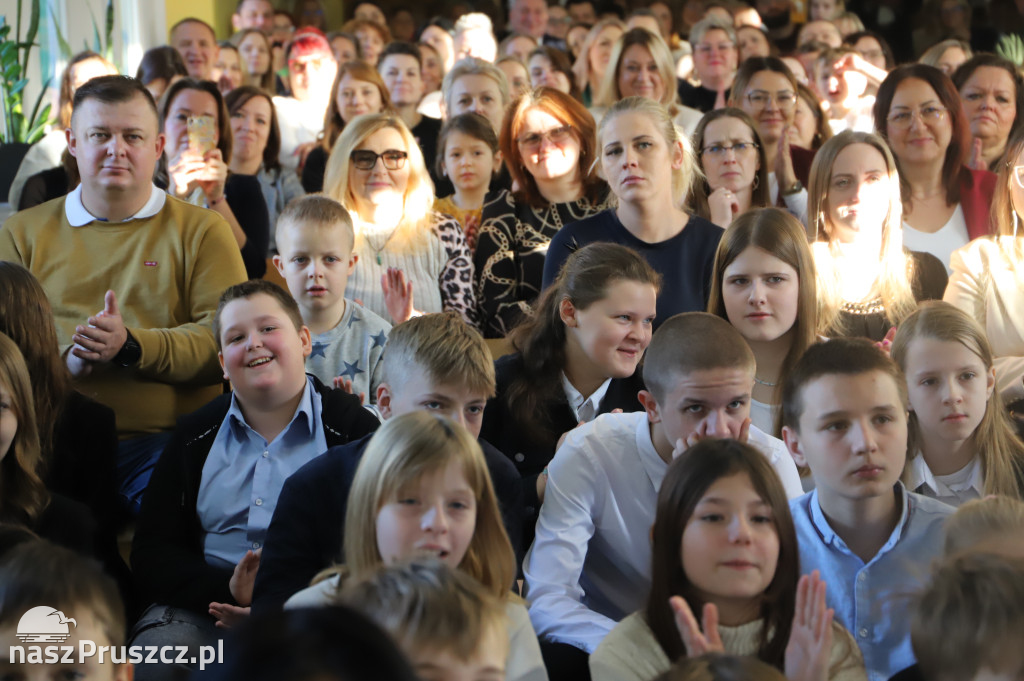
[65,48]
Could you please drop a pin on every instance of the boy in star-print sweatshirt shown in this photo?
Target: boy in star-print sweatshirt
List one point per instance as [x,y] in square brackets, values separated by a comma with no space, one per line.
[314,241]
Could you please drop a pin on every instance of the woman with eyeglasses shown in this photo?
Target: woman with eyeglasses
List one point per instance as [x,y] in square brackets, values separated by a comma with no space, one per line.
[547,141]
[649,168]
[945,203]
[410,260]
[766,90]
[867,281]
[987,280]
[732,159]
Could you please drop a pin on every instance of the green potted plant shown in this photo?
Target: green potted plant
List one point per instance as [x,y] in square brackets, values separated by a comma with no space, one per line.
[17,130]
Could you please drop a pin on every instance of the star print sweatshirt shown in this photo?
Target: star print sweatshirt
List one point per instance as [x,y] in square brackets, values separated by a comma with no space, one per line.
[353,349]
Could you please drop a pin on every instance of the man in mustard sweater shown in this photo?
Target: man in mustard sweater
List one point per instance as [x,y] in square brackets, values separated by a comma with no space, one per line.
[133,275]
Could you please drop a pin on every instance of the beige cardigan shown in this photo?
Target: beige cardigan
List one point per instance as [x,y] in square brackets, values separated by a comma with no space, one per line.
[631,653]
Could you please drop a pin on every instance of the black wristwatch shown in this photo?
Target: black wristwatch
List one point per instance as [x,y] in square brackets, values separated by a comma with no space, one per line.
[129,353]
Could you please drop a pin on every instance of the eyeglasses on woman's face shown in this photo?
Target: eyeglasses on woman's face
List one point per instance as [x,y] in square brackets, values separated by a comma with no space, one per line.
[904,118]
[364,159]
[557,136]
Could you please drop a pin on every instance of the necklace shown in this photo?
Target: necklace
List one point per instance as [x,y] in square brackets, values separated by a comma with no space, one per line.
[377,251]
[764,383]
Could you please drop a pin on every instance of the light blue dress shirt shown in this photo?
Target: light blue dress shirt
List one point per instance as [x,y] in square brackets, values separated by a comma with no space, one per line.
[243,476]
[872,600]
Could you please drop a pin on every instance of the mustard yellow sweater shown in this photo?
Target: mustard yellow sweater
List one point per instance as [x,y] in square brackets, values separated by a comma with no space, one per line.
[168,272]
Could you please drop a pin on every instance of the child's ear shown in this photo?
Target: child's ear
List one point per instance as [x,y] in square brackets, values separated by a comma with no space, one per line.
[990,382]
[792,439]
[279,264]
[307,341]
[220,358]
[384,400]
[567,311]
[650,406]
[497,162]
[352,260]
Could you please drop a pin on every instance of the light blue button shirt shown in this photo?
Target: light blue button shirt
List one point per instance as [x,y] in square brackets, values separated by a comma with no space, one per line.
[871,600]
[243,476]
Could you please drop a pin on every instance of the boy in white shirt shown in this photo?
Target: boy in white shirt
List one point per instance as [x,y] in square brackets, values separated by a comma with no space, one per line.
[590,563]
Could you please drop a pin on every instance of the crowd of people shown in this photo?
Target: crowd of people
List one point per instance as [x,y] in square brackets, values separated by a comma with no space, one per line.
[582,342]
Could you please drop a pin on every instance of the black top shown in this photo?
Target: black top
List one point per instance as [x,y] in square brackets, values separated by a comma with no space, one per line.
[869,321]
[306,533]
[684,261]
[245,197]
[531,448]
[314,169]
[44,186]
[426,133]
[697,97]
[167,554]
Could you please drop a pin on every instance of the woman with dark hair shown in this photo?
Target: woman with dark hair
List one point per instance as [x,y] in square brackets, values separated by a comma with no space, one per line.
[358,89]
[257,59]
[548,143]
[561,372]
[549,67]
[992,92]
[43,158]
[733,167]
[160,68]
[198,151]
[873,48]
[766,90]
[945,203]
[256,144]
[720,502]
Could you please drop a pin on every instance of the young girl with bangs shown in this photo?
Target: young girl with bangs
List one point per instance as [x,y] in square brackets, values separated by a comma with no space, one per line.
[422,488]
[961,445]
[764,285]
[723,545]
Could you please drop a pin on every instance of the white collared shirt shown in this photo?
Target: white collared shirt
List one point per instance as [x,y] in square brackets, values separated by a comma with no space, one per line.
[585,408]
[78,216]
[590,564]
[953,489]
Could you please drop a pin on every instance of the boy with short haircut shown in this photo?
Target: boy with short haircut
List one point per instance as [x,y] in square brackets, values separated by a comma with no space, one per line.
[435,362]
[444,621]
[205,515]
[590,564]
[967,622]
[38,573]
[844,415]
[315,238]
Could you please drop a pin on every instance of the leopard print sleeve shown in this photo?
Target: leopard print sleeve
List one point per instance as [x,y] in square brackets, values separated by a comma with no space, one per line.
[456,279]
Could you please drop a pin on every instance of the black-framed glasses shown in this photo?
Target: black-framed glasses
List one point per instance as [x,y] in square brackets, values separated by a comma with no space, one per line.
[720,150]
[364,159]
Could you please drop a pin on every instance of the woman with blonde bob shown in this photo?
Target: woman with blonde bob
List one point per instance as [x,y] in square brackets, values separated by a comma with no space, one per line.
[867,282]
[960,444]
[764,284]
[642,65]
[649,167]
[595,56]
[410,258]
[434,459]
